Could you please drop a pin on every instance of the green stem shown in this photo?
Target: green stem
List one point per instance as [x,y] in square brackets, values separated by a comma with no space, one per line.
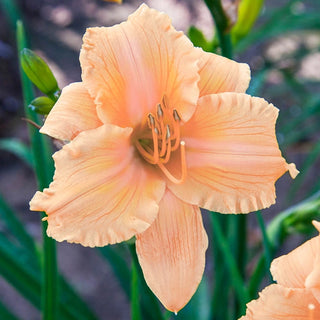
[222,25]
[150,308]
[135,307]
[44,171]
[231,264]
[266,243]
[221,280]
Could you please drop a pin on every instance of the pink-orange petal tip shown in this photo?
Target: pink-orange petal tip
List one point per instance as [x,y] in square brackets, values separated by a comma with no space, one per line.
[293,170]
[316,224]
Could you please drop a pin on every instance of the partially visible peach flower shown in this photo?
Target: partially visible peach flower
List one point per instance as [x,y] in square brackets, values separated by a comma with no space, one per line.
[157,128]
[117,1]
[296,296]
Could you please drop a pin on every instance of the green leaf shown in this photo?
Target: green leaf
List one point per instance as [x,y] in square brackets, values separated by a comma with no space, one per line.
[38,72]
[310,160]
[281,21]
[23,272]
[11,11]
[19,270]
[118,264]
[19,149]
[16,228]
[199,40]
[230,263]
[199,306]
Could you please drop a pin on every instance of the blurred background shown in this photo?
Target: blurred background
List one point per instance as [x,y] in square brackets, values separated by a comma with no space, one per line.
[282,51]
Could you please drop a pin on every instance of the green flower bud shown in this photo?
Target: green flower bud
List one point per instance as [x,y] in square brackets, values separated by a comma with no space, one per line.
[248,12]
[41,105]
[38,72]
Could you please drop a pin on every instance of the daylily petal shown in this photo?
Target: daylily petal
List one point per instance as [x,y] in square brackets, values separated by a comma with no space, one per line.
[232,154]
[219,74]
[299,268]
[101,191]
[130,66]
[172,252]
[277,302]
[74,112]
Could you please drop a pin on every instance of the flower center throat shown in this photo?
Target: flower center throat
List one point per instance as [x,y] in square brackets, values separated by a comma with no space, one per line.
[164,139]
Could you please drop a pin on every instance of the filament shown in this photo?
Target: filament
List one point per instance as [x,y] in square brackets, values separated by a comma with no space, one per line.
[183,167]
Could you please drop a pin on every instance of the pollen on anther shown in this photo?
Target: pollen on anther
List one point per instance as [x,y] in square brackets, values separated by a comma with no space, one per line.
[151,120]
[159,111]
[176,115]
[168,133]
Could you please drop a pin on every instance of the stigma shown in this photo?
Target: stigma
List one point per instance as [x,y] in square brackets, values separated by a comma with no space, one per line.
[163,138]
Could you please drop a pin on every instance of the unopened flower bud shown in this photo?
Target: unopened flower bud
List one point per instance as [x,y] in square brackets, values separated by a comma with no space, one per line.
[42,105]
[38,72]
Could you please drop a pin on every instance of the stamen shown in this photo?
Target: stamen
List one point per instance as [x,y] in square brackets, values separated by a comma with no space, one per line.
[183,167]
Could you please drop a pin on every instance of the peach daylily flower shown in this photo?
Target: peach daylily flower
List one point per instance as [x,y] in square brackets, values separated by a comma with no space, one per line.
[296,296]
[156,129]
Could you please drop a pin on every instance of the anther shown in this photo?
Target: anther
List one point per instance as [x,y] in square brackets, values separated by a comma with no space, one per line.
[168,135]
[156,131]
[176,115]
[159,111]
[165,101]
[151,120]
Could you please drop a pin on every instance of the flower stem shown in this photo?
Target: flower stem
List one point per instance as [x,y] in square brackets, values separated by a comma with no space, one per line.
[222,25]
[220,292]
[149,306]
[266,243]
[135,307]
[44,171]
